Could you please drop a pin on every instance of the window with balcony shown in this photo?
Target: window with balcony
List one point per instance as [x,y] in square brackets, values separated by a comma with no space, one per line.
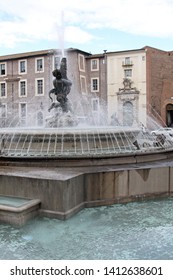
[127,62]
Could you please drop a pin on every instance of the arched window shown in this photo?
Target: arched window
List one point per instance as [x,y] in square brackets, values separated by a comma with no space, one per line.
[128,113]
[169,115]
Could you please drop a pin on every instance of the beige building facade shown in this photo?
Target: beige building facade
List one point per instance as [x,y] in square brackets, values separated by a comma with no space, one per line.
[126,86]
[140,86]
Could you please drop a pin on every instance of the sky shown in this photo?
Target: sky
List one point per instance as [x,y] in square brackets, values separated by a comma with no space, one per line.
[89,25]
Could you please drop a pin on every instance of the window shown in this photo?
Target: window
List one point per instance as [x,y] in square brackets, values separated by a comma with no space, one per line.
[94,64]
[128,73]
[2,69]
[83,84]
[127,60]
[23,113]
[39,65]
[22,66]
[22,88]
[3,89]
[23,110]
[81,63]
[94,84]
[3,111]
[95,104]
[39,87]
[56,62]
[40,119]
[3,115]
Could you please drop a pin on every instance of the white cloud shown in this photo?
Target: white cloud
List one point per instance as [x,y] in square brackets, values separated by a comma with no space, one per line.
[32,20]
[75,35]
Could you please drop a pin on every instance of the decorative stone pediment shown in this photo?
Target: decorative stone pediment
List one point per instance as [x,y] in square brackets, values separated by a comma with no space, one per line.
[127,87]
[128,92]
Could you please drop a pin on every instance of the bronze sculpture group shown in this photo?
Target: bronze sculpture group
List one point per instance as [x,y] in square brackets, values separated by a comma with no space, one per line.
[62,86]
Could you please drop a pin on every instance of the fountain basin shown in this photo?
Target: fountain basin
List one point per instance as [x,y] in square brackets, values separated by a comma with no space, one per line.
[65,187]
[16,210]
[68,169]
[67,142]
[76,142]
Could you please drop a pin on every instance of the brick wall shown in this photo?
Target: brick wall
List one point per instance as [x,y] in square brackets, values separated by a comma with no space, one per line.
[159,80]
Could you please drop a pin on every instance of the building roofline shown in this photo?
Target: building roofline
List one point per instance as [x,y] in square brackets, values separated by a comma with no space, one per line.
[114,52]
[38,53]
[95,55]
[78,50]
[124,51]
[86,54]
[153,48]
[25,54]
[145,48]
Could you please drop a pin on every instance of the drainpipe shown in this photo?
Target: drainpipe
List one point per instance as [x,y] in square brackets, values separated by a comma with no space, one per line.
[106,87]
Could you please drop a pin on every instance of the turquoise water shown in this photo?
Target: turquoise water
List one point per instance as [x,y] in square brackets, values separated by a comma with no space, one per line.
[13,201]
[142,230]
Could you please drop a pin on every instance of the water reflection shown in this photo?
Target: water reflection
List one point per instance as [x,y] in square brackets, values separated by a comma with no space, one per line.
[142,230]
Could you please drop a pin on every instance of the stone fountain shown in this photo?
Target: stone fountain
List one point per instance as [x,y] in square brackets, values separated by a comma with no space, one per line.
[66,167]
[62,137]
